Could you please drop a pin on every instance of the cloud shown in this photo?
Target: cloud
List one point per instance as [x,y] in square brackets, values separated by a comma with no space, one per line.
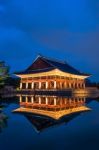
[66,28]
[81,49]
[72,41]
[31,15]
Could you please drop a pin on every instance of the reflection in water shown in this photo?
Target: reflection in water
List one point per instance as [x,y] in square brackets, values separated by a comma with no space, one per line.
[3,119]
[41,123]
[46,111]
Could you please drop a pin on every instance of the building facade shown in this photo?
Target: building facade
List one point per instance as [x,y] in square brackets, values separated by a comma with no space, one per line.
[49,74]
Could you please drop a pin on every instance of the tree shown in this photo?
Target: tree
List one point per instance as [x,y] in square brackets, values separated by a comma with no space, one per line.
[4,73]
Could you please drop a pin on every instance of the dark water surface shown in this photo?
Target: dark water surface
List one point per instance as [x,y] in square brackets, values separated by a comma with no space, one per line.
[79,131]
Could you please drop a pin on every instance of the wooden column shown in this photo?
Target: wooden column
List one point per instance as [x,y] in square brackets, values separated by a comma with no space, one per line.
[46,85]
[26,85]
[39,100]
[54,84]
[55,101]
[32,85]
[46,100]
[39,85]
[20,85]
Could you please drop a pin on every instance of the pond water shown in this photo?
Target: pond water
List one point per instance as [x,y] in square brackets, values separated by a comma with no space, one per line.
[49,123]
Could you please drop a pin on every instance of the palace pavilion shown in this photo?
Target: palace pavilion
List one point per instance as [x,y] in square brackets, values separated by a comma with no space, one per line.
[46,74]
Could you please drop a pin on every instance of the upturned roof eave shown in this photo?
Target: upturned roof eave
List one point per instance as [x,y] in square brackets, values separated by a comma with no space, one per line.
[42,71]
[53,66]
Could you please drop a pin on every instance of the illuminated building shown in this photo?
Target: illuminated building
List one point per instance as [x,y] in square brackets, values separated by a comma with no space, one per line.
[46,74]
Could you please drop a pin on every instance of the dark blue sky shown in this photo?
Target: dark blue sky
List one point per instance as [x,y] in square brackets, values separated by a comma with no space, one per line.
[64,29]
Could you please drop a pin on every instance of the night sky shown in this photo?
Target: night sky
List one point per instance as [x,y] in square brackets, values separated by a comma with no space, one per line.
[63,29]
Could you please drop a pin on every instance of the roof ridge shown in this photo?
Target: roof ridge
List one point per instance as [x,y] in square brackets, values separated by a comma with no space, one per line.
[57,64]
[48,62]
[54,59]
[62,62]
[59,61]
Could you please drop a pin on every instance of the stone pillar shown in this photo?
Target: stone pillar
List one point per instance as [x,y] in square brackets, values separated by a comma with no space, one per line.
[46,100]
[55,101]
[39,85]
[32,85]
[20,85]
[46,85]
[32,99]
[39,100]
[54,84]
[20,99]
[26,85]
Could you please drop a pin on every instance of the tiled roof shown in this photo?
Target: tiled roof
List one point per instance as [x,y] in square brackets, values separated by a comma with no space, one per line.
[35,71]
[55,64]
[63,66]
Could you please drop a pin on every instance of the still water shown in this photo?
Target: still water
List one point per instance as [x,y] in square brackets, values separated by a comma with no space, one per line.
[30,122]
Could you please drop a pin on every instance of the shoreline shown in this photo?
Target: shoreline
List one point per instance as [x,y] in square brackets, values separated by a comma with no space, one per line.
[87,92]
